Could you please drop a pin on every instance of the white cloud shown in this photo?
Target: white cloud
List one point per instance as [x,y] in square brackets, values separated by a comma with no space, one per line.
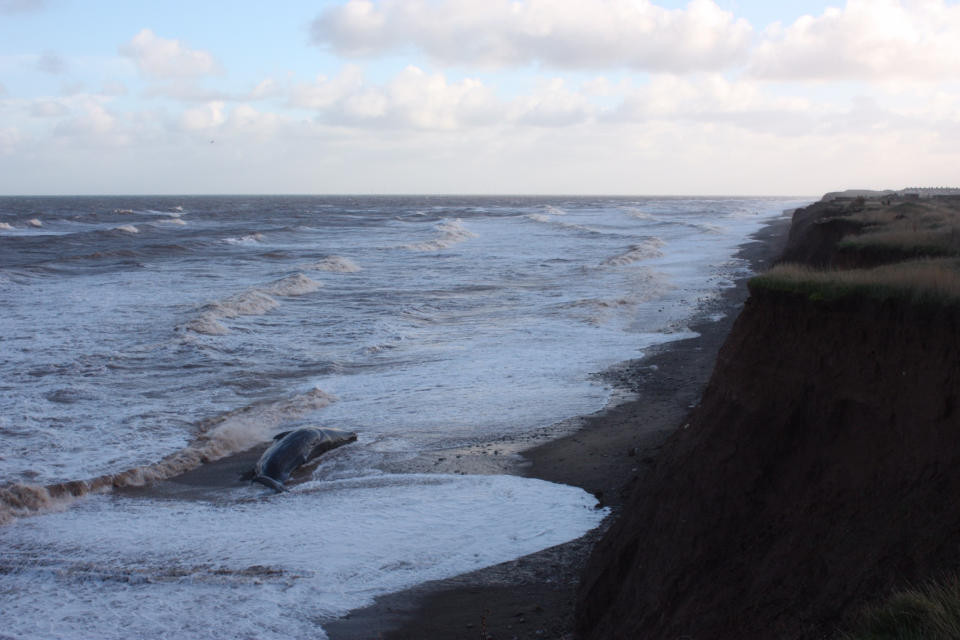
[158,57]
[46,108]
[206,116]
[93,120]
[411,99]
[10,138]
[553,105]
[558,33]
[867,39]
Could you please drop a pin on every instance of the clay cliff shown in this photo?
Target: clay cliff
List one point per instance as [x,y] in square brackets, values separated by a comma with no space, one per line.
[820,470]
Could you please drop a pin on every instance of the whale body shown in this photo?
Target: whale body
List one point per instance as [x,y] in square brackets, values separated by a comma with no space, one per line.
[293,449]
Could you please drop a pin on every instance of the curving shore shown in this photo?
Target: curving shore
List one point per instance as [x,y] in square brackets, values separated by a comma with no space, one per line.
[607,454]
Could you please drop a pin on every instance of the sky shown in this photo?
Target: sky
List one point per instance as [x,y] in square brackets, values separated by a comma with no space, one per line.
[618,97]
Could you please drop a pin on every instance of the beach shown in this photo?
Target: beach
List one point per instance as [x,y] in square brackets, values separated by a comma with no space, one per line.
[610,451]
[460,338]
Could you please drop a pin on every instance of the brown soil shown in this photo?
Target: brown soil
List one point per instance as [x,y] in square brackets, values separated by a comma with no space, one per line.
[818,472]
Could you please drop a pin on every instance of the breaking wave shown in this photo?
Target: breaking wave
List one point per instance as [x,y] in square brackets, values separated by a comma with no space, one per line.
[646,250]
[295,285]
[336,264]
[216,438]
[253,302]
[543,218]
[449,233]
[35,222]
[247,239]
[127,228]
[6,226]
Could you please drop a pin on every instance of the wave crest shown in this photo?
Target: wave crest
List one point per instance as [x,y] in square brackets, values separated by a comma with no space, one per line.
[295,285]
[449,233]
[336,264]
[217,437]
[646,250]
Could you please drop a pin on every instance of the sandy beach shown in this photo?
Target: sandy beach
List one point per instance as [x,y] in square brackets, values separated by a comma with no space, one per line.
[604,453]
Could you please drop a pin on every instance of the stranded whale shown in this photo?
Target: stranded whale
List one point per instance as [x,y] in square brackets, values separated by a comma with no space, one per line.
[292,449]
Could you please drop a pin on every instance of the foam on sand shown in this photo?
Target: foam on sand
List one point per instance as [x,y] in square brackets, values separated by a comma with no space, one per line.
[269,567]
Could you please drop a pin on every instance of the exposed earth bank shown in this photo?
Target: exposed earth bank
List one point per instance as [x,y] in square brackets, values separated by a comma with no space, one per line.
[820,470]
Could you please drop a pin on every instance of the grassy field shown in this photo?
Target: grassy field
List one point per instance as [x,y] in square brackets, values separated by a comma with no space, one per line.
[919,241]
[926,280]
[912,228]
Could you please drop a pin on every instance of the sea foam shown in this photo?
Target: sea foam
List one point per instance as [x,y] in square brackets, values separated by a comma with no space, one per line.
[336,264]
[217,437]
[449,233]
[272,567]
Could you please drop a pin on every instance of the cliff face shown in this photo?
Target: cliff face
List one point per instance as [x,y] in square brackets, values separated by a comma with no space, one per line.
[821,468]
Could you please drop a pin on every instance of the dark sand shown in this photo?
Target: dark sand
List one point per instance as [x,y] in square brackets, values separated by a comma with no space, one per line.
[604,453]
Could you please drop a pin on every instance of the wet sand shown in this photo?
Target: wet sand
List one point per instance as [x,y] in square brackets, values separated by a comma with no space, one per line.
[604,453]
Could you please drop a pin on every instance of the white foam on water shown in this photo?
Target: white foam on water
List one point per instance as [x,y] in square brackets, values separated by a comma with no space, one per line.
[268,567]
[127,228]
[253,238]
[176,221]
[216,438]
[449,233]
[336,264]
[35,222]
[6,226]
[294,285]
[253,302]
[649,248]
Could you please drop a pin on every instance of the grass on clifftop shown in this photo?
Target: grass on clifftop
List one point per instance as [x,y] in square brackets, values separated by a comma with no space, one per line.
[914,228]
[930,280]
[928,613]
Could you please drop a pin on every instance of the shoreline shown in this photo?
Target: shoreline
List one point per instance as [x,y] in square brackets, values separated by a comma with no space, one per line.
[606,454]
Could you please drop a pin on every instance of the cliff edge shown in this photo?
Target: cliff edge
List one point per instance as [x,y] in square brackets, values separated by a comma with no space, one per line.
[820,469]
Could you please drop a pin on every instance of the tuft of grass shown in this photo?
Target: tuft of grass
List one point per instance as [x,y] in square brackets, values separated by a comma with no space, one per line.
[926,280]
[931,612]
[911,228]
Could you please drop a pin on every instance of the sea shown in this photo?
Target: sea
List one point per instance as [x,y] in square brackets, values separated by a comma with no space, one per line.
[144,338]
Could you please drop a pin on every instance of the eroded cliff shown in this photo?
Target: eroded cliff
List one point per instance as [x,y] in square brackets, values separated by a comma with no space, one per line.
[820,470]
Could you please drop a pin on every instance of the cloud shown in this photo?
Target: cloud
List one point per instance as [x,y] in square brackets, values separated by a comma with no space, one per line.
[10,138]
[569,34]
[21,6]
[206,116]
[52,63]
[714,99]
[553,105]
[45,108]
[867,39]
[161,58]
[411,99]
[92,121]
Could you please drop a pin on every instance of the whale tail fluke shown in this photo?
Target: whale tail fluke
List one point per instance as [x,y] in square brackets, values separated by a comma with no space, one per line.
[270,482]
